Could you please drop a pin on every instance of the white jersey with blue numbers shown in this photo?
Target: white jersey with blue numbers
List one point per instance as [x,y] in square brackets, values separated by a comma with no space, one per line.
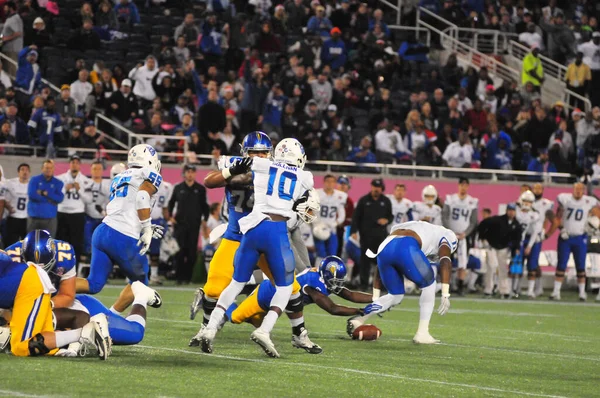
[276,187]
[575,212]
[16,196]
[432,238]
[162,197]
[121,212]
[530,223]
[543,206]
[460,211]
[96,197]
[74,201]
[400,209]
[420,210]
[333,208]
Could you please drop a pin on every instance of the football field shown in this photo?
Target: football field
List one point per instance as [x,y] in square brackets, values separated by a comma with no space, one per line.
[490,348]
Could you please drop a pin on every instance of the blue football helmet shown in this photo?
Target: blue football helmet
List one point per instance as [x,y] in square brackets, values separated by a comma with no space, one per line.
[333,272]
[39,248]
[256,141]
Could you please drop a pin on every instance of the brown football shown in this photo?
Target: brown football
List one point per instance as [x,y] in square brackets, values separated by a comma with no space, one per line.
[366,332]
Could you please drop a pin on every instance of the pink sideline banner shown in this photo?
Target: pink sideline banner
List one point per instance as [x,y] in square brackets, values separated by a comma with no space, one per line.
[490,195]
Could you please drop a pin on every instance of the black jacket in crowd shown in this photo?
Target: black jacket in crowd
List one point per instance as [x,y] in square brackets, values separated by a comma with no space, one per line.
[364,220]
[192,205]
[126,106]
[500,232]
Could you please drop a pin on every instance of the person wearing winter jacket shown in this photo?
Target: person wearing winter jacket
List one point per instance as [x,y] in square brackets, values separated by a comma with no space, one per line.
[333,52]
[28,77]
[127,12]
[143,75]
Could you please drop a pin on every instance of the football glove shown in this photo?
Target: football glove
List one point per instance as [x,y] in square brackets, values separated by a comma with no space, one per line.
[444,304]
[241,167]
[145,239]
[352,324]
[157,231]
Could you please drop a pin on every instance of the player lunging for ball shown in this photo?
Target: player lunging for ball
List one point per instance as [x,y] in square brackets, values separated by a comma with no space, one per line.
[409,252]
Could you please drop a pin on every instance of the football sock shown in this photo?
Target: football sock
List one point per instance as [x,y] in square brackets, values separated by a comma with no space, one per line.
[227,298]
[208,305]
[154,272]
[114,311]
[376,293]
[530,287]
[269,321]
[426,303]
[67,337]
[539,288]
[143,301]
[472,279]
[297,326]
[557,286]
[581,287]
[137,319]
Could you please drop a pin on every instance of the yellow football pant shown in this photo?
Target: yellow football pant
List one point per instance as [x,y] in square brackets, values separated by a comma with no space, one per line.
[249,310]
[220,270]
[31,314]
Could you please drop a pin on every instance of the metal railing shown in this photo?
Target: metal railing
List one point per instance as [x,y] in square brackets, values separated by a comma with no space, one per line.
[420,32]
[396,7]
[487,41]
[382,169]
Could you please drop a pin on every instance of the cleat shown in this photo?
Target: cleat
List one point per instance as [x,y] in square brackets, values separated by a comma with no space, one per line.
[196,303]
[539,292]
[353,323]
[91,337]
[425,338]
[102,321]
[66,353]
[263,339]
[195,341]
[207,337]
[304,342]
[152,297]
[554,297]
[531,296]
[487,296]
[583,297]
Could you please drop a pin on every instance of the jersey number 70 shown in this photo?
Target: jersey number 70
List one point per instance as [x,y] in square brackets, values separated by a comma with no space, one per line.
[286,175]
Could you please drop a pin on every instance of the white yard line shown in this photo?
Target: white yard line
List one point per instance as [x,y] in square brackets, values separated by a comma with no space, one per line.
[9,393]
[277,362]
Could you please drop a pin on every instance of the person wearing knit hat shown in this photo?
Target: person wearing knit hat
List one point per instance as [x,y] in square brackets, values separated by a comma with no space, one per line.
[333,52]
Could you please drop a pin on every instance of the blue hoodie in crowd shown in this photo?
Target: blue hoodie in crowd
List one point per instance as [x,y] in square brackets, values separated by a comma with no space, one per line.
[28,76]
[40,206]
[274,109]
[319,26]
[45,124]
[333,53]
[127,13]
[384,27]
[211,39]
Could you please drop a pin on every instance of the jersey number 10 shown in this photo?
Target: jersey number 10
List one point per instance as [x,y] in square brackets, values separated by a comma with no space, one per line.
[283,177]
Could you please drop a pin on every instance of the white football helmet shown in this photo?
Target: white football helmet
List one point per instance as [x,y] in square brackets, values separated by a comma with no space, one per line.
[321,231]
[143,155]
[4,337]
[290,151]
[592,226]
[117,169]
[309,210]
[429,190]
[526,200]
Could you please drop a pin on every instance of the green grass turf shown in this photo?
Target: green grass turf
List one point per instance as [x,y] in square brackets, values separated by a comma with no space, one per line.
[491,348]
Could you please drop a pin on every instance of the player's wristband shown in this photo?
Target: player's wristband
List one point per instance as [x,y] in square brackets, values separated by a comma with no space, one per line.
[146,223]
[226,173]
[445,290]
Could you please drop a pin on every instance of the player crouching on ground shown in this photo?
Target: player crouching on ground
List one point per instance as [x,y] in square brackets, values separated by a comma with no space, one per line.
[408,252]
[26,288]
[317,284]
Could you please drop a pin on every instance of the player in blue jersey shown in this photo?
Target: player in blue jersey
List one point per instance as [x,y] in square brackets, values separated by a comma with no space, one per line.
[25,289]
[278,185]
[572,214]
[127,226]
[316,286]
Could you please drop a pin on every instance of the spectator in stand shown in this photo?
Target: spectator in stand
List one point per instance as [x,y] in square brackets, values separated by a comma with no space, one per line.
[541,164]
[506,26]
[65,105]
[167,91]
[539,130]
[95,101]
[255,94]
[342,17]
[412,50]
[490,101]
[477,117]
[85,38]
[362,153]
[122,105]
[591,57]
[5,137]
[188,30]
[230,140]
[182,107]
[532,37]
[561,41]
[45,193]
[452,12]
[478,83]
[210,38]
[389,145]
[127,12]
[459,153]
[45,125]
[532,70]
[273,112]
[12,35]
[585,128]
[81,88]
[38,35]
[333,52]
[106,18]
[76,139]
[142,75]
[28,78]
[211,116]
[319,24]
[93,138]
[182,53]
[187,125]
[322,91]
[378,20]
[564,140]
[266,41]
[5,81]
[18,128]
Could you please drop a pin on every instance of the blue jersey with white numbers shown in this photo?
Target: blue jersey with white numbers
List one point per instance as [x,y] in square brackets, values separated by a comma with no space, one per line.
[11,274]
[239,204]
[311,278]
[64,268]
